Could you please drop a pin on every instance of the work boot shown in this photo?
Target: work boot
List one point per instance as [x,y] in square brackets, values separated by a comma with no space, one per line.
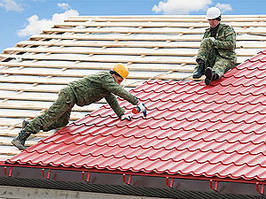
[211,75]
[199,71]
[24,124]
[19,141]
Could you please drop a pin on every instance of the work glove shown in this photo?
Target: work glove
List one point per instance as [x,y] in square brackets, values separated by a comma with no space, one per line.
[212,39]
[126,117]
[140,108]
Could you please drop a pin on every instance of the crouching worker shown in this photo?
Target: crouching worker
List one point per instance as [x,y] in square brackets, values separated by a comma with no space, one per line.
[81,92]
[216,54]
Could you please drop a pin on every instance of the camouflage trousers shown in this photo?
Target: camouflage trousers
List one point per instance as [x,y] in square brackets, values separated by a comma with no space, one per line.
[212,59]
[57,115]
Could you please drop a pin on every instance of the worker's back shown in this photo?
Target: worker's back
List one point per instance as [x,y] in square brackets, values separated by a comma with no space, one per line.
[91,88]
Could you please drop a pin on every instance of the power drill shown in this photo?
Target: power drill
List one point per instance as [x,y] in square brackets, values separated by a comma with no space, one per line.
[140,108]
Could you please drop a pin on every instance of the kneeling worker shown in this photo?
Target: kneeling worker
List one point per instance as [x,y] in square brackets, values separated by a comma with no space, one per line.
[82,92]
[216,54]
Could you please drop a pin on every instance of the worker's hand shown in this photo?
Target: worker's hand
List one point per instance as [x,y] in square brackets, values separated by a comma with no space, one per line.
[126,117]
[212,39]
[141,108]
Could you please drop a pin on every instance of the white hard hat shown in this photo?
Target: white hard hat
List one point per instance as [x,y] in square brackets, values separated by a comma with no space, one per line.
[213,13]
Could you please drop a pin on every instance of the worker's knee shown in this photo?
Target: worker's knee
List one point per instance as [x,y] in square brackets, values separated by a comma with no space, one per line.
[222,65]
[66,96]
[56,125]
[61,122]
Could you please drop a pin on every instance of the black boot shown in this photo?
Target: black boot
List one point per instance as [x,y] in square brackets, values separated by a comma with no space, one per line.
[24,124]
[211,75]
[200,69]
[19,141]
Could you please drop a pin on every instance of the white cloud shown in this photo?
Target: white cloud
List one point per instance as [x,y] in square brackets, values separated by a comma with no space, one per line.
[11,5]
[181,6]
[224,7]
[36,25]
[65,6]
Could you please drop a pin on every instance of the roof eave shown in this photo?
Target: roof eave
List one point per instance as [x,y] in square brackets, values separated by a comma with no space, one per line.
[92,179]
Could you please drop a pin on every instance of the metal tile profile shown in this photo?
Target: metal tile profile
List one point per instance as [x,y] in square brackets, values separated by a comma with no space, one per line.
[191,130]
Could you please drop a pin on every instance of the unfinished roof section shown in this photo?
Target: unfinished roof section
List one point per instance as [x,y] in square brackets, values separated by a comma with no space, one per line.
[153,47]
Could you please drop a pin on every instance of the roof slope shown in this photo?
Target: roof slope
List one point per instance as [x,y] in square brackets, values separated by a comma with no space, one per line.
[191,129]
[153,47]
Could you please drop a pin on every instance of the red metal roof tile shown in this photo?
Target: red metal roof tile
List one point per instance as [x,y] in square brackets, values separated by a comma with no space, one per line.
[259,57]
[191,129]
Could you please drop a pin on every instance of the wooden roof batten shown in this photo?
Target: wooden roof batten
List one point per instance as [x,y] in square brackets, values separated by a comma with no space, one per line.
[153,47]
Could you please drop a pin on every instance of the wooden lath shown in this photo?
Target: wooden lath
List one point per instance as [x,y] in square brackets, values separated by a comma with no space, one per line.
[109,59]
[155,24]
[29,88]
[97,66]
[165,18]
[30,114]
[130,44]
[142,76]
[120,51]
[107,44]
[126,31]
[115,37]
[107,51]
[27,105]
[186,31]
[154,38]
[54,81]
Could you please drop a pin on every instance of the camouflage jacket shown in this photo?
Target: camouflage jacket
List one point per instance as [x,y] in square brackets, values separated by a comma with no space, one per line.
[225,41]
[100,85]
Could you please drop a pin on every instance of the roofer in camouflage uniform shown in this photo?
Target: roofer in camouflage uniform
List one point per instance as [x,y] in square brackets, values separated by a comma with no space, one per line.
[216,54]
[81,92]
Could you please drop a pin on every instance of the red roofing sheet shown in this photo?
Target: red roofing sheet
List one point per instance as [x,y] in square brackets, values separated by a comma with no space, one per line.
[191,129]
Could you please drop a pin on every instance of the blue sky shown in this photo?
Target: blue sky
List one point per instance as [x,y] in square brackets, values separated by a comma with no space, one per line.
[19,19]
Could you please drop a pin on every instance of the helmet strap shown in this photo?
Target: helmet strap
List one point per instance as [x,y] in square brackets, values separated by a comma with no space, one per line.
[218,18]
[115,73]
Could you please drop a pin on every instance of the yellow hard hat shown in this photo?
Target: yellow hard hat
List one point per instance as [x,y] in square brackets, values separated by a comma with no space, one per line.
[121,70]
